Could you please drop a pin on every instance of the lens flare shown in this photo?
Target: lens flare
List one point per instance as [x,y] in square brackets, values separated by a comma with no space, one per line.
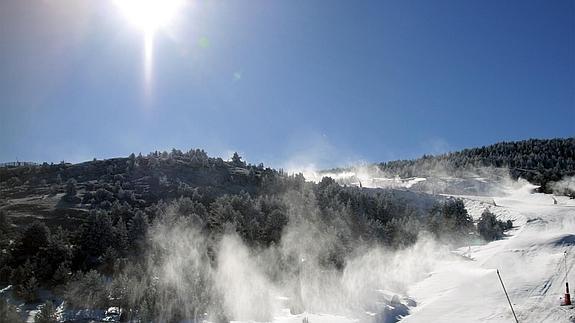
[148,58]
[150,15]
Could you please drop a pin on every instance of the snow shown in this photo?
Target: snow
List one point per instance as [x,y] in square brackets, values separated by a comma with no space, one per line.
[466,288]
[530,261]
[462,285]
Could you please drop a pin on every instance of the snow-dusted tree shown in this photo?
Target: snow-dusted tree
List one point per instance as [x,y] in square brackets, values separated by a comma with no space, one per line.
[137,229]
[490,228]
[47,314]
[97,234]
[237,160]
[87,290]
[71,187]
[121,241]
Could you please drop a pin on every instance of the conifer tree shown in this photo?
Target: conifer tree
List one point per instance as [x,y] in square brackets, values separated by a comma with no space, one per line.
[47,314]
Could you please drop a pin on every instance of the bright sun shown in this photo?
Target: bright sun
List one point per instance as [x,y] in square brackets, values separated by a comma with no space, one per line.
[149,15]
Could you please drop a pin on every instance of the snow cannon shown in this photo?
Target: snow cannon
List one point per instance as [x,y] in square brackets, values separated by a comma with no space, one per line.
[567,299]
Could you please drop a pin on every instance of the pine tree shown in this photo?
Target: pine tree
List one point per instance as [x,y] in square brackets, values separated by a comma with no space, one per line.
[5,225]
[25,284]
[28,290]
[36,236]
[138,227]
[121,242]
[119,290]
[71,187]
[62,273]
[97,234]
[47,314]
[237,160]
[489,227]
[5,229]
[87,290]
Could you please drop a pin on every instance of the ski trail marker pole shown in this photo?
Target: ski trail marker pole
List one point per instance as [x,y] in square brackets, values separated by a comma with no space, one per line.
[567,300]
[506,295]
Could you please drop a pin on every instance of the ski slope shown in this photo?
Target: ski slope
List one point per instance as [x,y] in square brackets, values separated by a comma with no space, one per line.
[465,287]
[530,261]
[430,283]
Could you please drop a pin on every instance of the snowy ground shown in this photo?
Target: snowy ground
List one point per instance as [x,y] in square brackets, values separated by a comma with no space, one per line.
[462,285]
[466,288]
[530,261]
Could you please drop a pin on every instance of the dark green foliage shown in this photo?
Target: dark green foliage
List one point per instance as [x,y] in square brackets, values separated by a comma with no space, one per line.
[258,221]
[454,211]
[47,314]
[62,273]
[24,281]
[6,230]
[5,273]
[27,290]
[112,248]
[95,237]
[71,191]
[119,291]
[5,224]
[508,224]
[237,160]
[121,240]
[21,274]
[36,236]
[451,220]
[8,312]
[538,161]
[137,230]
[14,182]
[103,195]
[50,258]
[490,228]
[71,187]
[87,290]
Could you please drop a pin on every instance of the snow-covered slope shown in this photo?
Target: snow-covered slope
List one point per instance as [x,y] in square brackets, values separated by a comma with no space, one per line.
[463,286]
[530,261]
[428,282]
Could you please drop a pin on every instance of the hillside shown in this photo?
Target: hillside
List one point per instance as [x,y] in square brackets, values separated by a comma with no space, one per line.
[539,161]
[547,163]
[174,236]
[67,226]
[64,193]
[532,259]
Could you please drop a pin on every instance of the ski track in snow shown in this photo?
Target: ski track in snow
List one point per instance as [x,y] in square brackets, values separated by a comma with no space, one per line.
[466,288]
[530,261]
[529,258]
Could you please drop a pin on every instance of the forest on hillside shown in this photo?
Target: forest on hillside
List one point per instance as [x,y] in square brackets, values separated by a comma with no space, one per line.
[99,234]
[540,161]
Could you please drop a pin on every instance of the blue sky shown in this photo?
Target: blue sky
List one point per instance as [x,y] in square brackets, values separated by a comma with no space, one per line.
[285,82]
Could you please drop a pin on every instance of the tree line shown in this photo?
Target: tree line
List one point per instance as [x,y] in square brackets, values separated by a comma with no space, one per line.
[102,260]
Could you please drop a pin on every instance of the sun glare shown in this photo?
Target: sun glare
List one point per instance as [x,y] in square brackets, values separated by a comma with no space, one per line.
[149,15]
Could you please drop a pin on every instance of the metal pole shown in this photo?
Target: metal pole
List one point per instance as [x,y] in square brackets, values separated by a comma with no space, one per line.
[506,295]
[567,295]
[565,265]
